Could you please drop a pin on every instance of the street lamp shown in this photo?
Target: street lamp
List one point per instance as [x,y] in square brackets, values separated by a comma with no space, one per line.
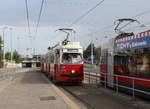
[3,29]
[92,49]
[18,39]
[11,43]
[92,57]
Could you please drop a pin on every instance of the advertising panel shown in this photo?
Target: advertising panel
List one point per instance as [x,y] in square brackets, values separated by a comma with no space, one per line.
[142,42]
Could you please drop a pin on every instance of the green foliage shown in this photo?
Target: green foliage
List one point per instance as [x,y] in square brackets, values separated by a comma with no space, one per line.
[87,52]
[17,57]
[1,53]
[96,52]
[8,56]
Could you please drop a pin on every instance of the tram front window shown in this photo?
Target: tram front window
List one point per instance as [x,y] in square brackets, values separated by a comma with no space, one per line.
[72,58]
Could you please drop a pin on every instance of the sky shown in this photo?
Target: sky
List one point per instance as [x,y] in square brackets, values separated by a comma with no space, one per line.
[60,14]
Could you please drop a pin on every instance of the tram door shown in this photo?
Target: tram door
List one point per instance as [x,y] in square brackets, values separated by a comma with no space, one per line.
[57,56]
[110,63]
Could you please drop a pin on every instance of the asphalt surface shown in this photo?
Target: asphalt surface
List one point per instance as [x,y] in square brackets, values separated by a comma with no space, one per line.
[101,98]
[31,91]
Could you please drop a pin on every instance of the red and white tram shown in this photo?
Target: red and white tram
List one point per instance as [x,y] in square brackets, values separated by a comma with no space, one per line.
[125,64]
[64,62]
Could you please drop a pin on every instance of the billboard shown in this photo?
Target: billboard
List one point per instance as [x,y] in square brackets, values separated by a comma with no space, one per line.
[141,42]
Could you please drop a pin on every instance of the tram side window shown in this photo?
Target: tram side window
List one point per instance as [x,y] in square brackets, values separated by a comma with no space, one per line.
[103,60]
[48,59]
[52,58]
[57,57]
[104,54]
[121,65]
[141,66]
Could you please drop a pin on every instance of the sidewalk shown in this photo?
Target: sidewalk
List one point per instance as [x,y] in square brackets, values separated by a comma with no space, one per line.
[31,91]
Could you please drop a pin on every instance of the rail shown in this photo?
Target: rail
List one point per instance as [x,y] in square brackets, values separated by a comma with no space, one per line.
[92,78]
[115,82]
[89,106]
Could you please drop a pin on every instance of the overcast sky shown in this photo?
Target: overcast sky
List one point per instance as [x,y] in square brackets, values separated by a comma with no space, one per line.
[61,13]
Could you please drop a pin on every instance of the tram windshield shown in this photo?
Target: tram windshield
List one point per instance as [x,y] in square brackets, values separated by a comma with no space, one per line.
[72,58]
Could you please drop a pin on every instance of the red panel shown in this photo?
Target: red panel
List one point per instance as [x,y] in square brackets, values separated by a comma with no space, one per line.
[44,67]
[67,70]
[52,70]
[137,82]
[122,70]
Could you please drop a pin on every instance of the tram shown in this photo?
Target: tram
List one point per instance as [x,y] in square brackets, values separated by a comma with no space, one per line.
[64,62]
[125,64]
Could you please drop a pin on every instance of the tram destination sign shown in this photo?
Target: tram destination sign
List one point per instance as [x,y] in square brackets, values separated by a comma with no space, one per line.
[142,42]
[72,50]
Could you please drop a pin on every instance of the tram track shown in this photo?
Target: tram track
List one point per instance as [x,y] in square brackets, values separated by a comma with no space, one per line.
[96,97]
[92,96]
[69,90]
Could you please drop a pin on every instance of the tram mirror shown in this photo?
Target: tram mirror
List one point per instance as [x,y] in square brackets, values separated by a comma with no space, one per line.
[57,52]
[49,48]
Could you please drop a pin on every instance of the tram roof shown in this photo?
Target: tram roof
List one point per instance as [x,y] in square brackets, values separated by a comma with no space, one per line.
[69,45]
[141,40]
[139,35]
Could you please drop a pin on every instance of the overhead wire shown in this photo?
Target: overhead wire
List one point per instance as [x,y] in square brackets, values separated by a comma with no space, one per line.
[39,18]
[107,27]
[86,13]
[27,15]
[140,14]
[141,25]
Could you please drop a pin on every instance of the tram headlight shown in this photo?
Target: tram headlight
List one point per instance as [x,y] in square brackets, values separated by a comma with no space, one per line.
[72,71]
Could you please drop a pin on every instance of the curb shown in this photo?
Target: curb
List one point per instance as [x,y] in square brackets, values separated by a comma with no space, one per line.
[67,100]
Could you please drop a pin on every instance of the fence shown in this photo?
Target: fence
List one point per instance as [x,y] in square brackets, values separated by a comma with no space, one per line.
[92,78]
[133,81]
[9,74]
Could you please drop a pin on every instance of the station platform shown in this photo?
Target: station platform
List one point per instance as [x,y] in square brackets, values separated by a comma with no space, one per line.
[32,90]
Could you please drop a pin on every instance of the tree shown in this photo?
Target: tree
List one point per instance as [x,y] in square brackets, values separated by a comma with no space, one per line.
[8,56]
[87,52]
[97,54]
[1,53]
[17,57]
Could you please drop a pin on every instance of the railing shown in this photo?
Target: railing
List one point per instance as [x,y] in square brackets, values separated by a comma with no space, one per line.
[10,74]
[115,83]
[92,78]
[131,80]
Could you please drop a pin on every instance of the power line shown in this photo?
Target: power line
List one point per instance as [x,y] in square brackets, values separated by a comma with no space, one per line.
[27,13]
[39,17]
[107,27]
[140,14]
[86,13]
[140,26]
